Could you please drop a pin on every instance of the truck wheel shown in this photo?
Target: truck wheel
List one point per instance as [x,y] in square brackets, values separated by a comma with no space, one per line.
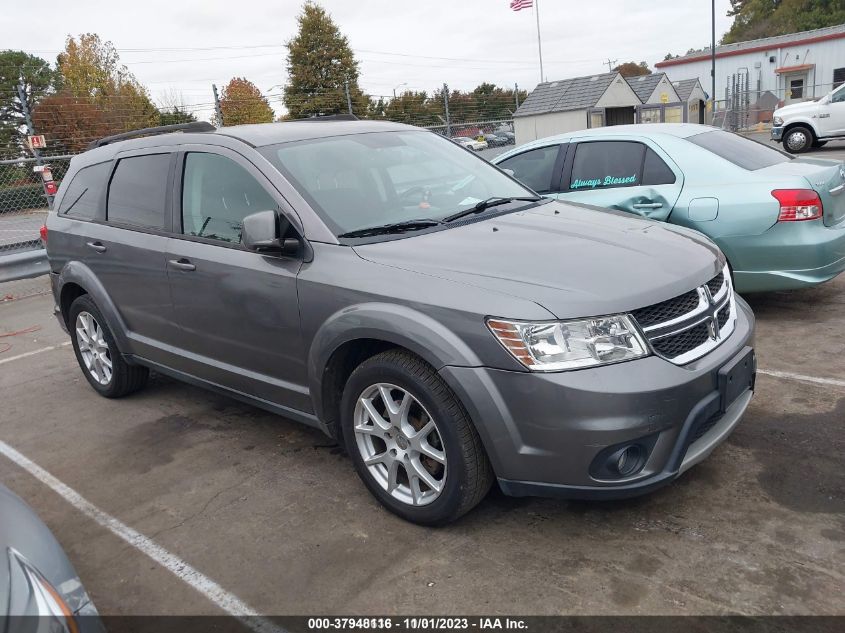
[97,354]
[411,440]
[798,140]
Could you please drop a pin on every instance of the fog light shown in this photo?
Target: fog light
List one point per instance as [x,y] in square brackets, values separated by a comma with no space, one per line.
[629,460]
[623,460]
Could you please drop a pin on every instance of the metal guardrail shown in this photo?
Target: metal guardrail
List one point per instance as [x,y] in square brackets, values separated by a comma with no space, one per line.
[25,264]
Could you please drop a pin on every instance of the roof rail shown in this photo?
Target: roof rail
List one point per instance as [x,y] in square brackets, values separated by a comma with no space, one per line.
[329,117]
[196,126]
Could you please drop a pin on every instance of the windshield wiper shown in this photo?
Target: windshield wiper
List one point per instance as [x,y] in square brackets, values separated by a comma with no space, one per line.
[494,201]
[396,227]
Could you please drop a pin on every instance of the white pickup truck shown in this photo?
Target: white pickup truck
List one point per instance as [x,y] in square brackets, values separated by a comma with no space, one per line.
[802,126]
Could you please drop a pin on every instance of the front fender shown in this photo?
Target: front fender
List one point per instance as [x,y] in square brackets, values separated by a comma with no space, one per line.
[400,325]
[78,273]
[806,121]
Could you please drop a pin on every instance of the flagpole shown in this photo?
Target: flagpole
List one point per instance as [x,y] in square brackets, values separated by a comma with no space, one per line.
[539,45]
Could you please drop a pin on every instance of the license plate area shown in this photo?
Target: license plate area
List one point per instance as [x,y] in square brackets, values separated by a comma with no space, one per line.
[737,376]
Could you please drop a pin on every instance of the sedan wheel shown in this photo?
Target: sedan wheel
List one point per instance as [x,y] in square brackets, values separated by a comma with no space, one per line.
[400,444]
[93,348]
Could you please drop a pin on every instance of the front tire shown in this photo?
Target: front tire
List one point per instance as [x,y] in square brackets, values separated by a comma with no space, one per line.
[798,140]
[96,352]
[412,441]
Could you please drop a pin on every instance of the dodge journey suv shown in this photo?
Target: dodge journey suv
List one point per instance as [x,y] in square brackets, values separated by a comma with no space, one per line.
[444,323]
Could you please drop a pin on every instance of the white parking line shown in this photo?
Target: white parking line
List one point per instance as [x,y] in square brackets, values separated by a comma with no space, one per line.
[226,601]
[34,352]
[790,376]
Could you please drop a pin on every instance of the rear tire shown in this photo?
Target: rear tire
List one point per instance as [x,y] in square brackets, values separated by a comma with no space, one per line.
[96,352]
[426,477]
[798,139]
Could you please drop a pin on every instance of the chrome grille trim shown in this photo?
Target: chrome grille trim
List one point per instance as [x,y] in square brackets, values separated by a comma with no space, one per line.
[709,310]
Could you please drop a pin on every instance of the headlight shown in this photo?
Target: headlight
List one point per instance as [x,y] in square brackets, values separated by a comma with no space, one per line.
[777,121]
[575,344]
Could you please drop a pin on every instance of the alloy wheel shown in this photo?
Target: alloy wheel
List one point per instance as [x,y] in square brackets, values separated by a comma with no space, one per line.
[93,348]
[400,444]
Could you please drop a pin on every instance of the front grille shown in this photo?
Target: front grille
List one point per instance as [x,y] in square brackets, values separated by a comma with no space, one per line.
[667,310]
[690,325]
[678,344]
[715,284]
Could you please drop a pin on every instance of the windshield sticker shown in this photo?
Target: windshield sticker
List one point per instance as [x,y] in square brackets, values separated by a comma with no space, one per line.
[608,181]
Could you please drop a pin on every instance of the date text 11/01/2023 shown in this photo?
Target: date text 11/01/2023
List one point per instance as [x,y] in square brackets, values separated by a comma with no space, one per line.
[417,623]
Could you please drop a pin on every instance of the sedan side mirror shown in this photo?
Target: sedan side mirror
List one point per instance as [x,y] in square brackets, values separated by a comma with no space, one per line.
[262,232]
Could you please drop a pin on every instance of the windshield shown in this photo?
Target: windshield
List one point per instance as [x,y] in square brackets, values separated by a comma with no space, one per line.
[364,180]
[741,151]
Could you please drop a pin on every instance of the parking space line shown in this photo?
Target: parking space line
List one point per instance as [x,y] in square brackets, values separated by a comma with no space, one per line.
[34,352]
[790,376]
[226,601]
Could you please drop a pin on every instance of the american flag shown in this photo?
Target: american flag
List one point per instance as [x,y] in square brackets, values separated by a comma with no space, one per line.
[519,5]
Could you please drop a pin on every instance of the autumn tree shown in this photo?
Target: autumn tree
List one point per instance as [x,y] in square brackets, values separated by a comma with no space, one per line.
[242,102]
[320,63]
[633,69]
[35,76]
[91,83]
[410,107]
[755,19]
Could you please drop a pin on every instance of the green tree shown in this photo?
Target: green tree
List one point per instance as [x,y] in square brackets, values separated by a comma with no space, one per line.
[319,62]
[633,69]
[410,107]
[36,77]
[175,115]
[242,102]
[754,19]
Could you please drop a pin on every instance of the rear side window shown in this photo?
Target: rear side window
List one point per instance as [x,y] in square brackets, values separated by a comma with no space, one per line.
[534,168]
[138,191]
[85,192]
[655,171]
[740,151]
[607,164]
[217,194]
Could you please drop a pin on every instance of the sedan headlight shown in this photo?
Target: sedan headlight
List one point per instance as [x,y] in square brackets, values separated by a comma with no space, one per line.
[575,344]
[777,121]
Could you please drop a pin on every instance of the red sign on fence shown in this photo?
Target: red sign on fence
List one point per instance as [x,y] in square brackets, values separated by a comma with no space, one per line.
[37,142]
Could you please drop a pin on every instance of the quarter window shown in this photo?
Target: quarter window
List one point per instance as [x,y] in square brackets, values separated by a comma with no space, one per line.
[607,164]
[138,191]
[217,194]
[534,168]
[85,191]
[655,171]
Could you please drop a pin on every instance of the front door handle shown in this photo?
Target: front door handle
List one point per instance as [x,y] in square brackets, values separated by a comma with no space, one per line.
[182,264]
[97,246]
[648,205]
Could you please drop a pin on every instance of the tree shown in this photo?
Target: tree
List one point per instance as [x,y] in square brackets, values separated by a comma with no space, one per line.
[242,102]
[175,115]
[101,96]
[320,62]
[633,69]
[35,76]
[754,19]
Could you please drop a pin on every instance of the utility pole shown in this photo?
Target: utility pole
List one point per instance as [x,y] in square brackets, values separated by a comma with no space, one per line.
[713,60]
[30,129]
[611,62]
[217,108]
[348,98]
[446,110]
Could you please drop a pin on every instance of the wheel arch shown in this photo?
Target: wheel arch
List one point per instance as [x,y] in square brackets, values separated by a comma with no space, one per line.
[806,123]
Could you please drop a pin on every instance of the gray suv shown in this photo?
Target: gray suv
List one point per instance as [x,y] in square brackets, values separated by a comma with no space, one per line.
[444,323]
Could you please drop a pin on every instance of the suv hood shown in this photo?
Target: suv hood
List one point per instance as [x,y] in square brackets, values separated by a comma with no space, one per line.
[572,259]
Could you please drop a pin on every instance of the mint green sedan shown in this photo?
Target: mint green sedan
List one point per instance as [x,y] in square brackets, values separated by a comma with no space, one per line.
[779,220]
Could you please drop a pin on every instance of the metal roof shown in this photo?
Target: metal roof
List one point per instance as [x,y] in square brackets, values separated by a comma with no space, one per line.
[804,37]
[577,93]
[644,85]
[684,87]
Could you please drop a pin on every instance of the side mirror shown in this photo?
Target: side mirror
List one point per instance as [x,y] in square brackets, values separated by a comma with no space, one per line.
[262,232]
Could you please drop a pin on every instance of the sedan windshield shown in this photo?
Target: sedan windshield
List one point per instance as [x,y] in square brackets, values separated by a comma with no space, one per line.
[360,181]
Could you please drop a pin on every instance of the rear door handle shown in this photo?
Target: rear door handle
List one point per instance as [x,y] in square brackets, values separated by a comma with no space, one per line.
[181,264]
[97,246]
[648,205]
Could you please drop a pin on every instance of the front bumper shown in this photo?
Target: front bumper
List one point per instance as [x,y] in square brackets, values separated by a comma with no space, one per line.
[777,134]
[542,432]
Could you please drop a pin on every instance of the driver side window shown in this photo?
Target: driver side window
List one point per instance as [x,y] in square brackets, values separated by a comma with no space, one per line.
[534,168]
[217,194]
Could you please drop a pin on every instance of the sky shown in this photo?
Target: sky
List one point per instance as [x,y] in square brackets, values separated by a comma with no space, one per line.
[178,48]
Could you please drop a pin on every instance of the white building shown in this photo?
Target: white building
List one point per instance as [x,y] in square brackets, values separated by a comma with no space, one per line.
[792,67]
